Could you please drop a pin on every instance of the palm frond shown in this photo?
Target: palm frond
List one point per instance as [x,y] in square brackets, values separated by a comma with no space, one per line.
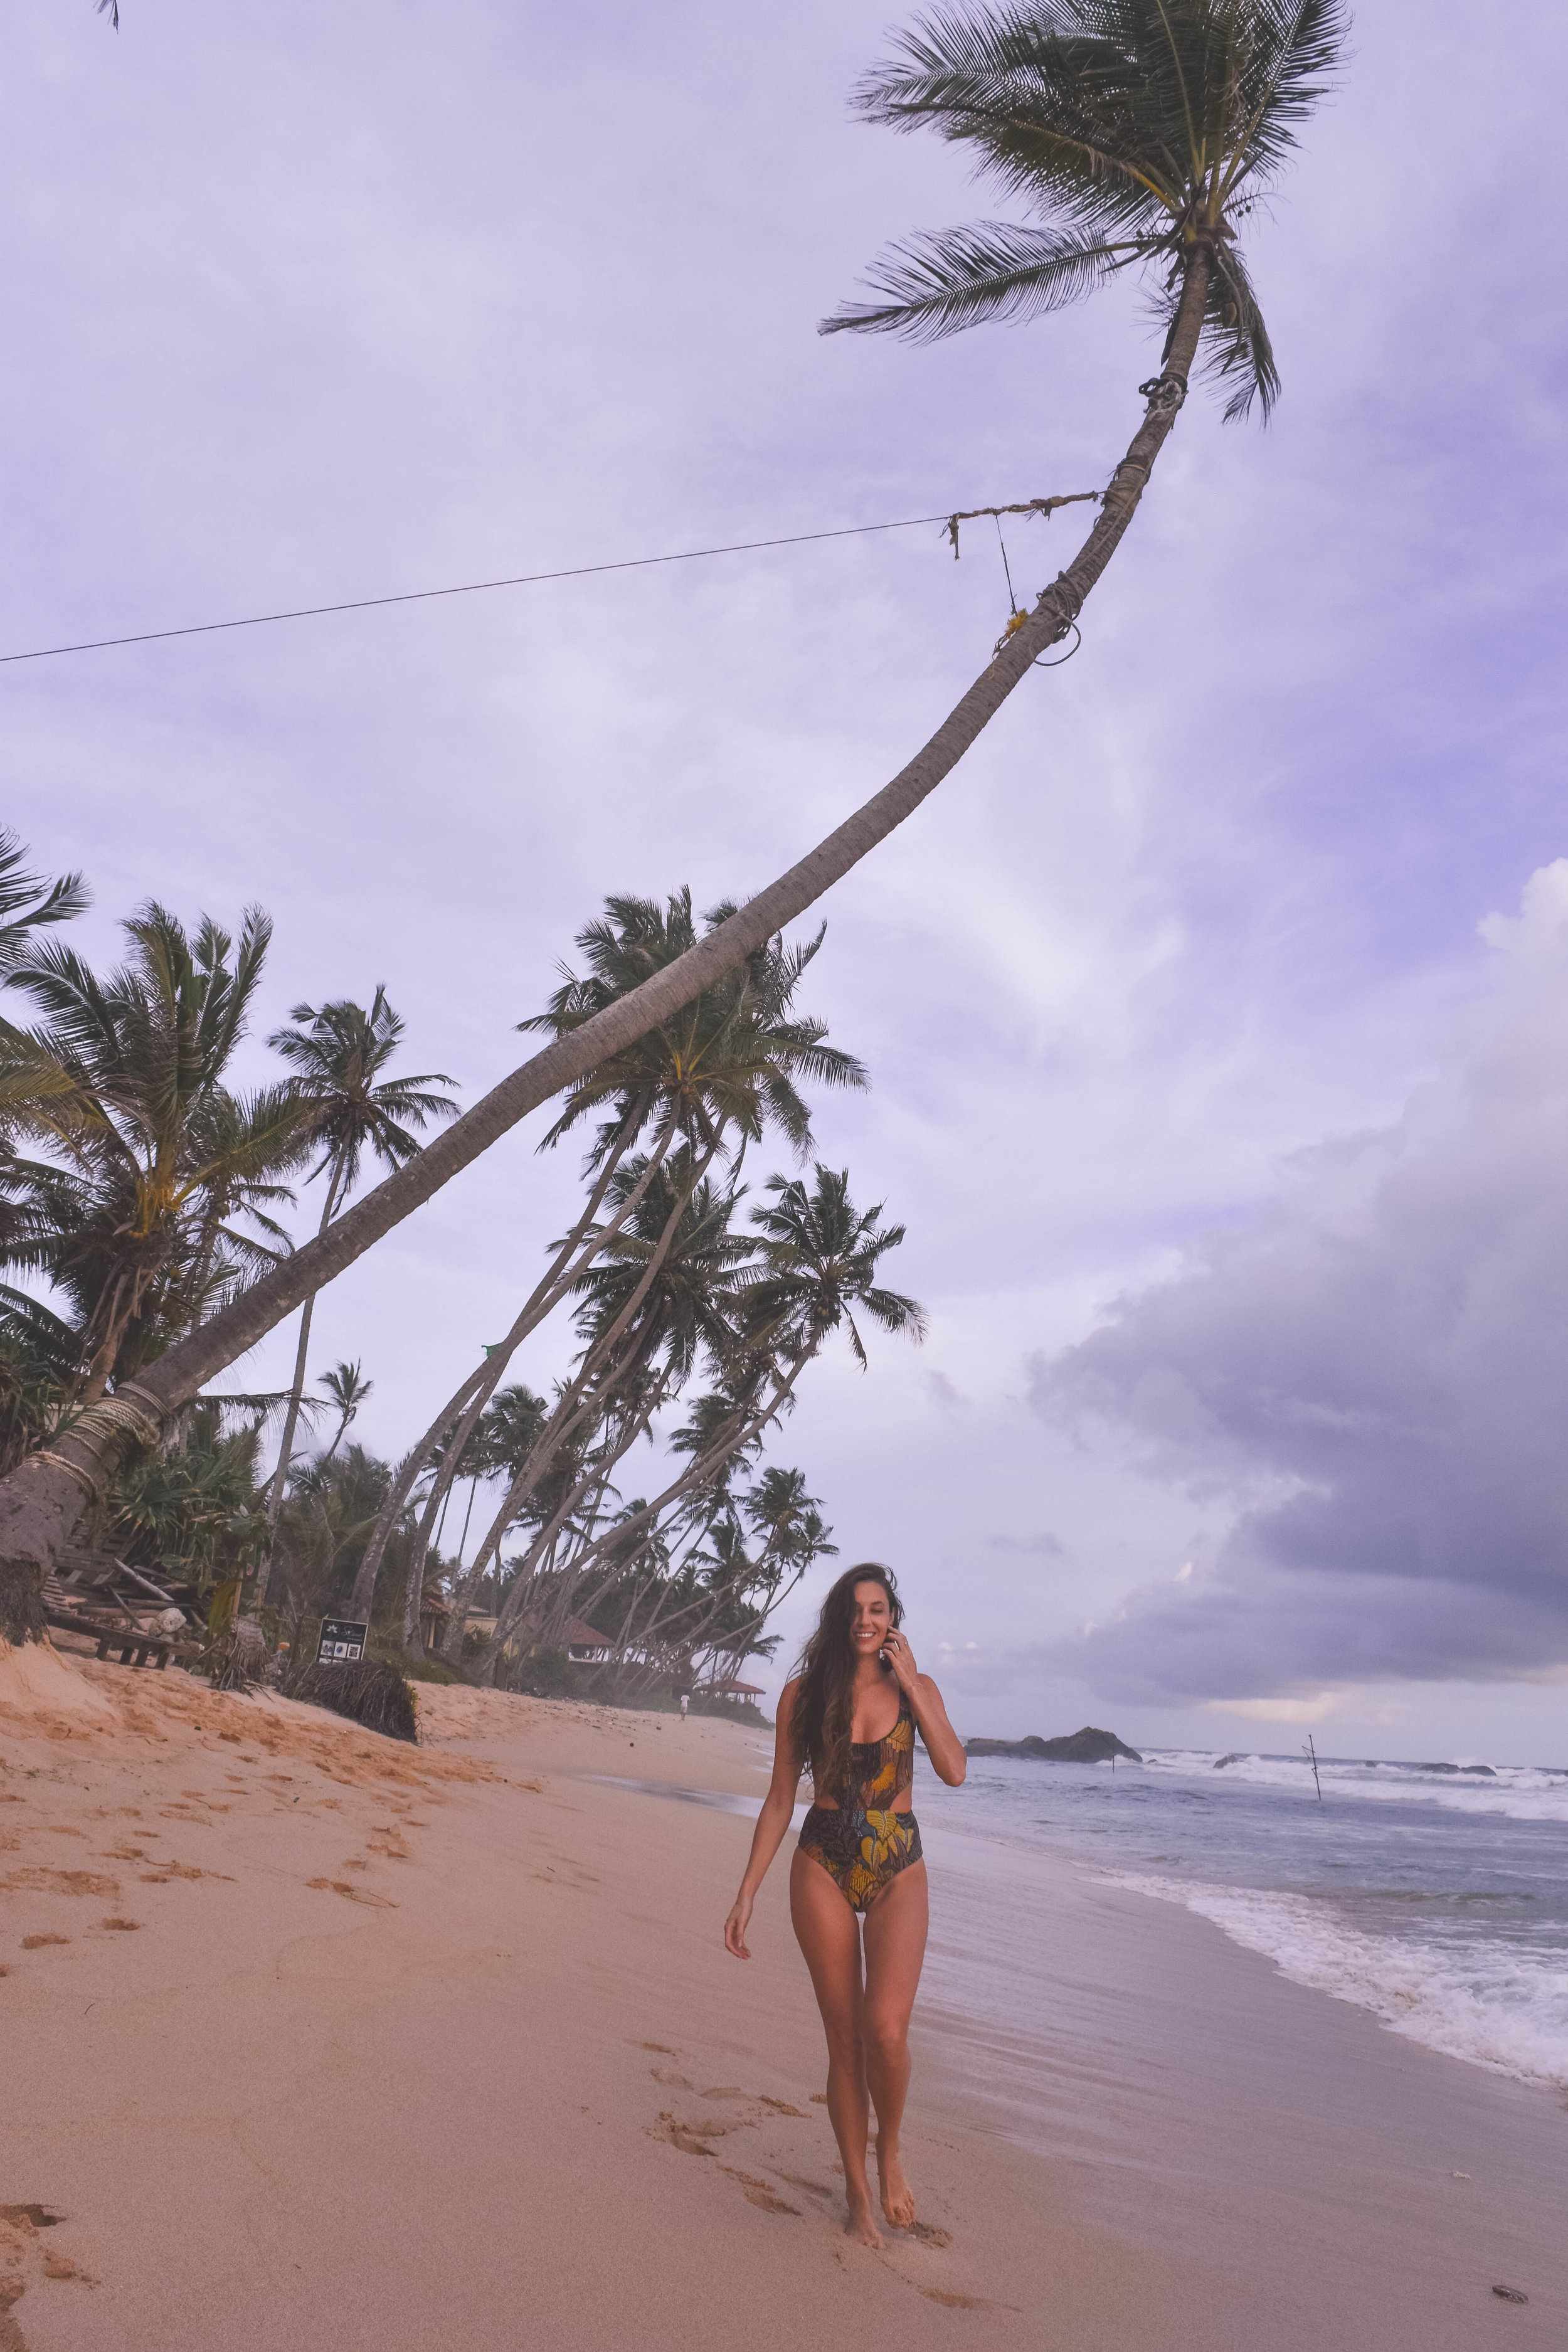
[1297,47]
[1236,347]
[1128,128]
[1057,102]
[942,280]
[52,902]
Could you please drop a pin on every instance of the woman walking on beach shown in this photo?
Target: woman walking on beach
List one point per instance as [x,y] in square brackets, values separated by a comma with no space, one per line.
[851,1716]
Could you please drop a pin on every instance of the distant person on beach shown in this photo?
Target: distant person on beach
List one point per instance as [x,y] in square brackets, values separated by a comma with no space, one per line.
[685,1703]
[860,1851]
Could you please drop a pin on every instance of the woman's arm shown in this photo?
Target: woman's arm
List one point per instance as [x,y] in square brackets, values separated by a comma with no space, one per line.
[771,1823]
[942,1744]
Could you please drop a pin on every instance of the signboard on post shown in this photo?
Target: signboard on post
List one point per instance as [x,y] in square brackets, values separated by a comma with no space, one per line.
[341,1641]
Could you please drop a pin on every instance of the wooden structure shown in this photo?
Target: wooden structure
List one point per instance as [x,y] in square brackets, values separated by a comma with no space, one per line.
[122,1610]
[585,1645]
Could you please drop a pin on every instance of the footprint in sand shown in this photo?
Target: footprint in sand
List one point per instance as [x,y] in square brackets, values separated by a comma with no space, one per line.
[128,1926]
[354,1894]
[812,2188]
[59,1882]
[758,2192]
[36,1943]
[663,2048]
[692,2138]
[669,2078]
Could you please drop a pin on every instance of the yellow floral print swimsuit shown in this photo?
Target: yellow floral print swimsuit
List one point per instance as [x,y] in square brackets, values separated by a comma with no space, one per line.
[862,1843]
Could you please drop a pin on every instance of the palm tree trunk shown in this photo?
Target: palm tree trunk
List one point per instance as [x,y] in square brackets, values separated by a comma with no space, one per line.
[543,1546]
[744,1428]
[291,1417]
[47,1497]
[597,1474]
[547,1295]
[569,1411]
[412,1598]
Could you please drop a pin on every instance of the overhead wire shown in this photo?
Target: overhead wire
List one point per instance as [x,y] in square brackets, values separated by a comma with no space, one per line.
[519,580]
[465,588]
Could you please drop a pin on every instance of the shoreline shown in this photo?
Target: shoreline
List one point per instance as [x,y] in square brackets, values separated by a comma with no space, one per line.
[439,2046]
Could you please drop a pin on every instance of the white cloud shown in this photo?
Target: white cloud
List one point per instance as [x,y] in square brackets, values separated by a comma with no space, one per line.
[1278,1711]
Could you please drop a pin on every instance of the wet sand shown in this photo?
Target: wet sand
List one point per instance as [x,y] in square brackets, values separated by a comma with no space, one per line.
[319,2041]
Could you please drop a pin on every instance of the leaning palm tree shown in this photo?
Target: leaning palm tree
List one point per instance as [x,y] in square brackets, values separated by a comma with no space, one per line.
[1196,105]
[155,1159]
[645,1314]
[718,1075]
[818,1263]
[501,1443]
[346,1392]
[336,1056]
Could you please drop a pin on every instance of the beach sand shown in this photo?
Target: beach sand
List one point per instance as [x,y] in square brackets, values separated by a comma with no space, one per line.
[315,2040]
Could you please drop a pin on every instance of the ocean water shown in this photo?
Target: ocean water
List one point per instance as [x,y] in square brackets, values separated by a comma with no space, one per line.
[1435,1898]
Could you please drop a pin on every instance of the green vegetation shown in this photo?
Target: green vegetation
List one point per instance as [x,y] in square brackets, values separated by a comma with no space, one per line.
[141,1193]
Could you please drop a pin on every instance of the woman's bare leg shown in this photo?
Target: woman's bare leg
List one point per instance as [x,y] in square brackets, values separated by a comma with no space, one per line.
[895,1946]
[828,1935]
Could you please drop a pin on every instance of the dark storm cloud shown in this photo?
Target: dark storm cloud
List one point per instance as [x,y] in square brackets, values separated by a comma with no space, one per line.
[1377,1371]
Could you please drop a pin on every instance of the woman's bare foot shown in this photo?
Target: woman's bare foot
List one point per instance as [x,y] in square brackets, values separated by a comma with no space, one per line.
[898,2197]
[862,2225]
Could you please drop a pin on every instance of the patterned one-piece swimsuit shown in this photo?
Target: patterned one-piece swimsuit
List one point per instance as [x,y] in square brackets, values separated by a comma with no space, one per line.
[862,1843]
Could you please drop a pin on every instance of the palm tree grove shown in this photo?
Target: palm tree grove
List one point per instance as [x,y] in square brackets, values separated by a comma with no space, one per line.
[143,1193]
[625,1520]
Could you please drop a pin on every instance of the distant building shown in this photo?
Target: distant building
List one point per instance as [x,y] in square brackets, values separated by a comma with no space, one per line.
[586,1643]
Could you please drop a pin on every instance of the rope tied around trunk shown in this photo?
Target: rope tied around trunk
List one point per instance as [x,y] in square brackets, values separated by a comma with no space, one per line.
[1164,392]
[1045,506]
[115,1413]
[91,1486]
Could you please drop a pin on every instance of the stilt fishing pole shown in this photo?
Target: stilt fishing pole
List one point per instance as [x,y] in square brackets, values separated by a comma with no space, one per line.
[1311,1751]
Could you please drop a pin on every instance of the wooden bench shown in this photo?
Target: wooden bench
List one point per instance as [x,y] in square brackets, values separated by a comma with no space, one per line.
[132,1646]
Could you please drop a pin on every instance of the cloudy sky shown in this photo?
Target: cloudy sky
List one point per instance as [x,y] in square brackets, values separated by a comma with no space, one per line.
[1215,1008]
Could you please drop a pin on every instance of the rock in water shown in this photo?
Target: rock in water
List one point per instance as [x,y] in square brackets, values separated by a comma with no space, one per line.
[1086,1746]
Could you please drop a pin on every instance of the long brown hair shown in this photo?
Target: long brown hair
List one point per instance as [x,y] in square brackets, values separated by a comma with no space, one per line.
[825,1694]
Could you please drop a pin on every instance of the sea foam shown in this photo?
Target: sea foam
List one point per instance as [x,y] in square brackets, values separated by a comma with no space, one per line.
[1475,1998]
[1515,1792]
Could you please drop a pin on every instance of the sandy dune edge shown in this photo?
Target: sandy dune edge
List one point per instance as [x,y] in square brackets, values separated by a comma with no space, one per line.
[318,2040]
